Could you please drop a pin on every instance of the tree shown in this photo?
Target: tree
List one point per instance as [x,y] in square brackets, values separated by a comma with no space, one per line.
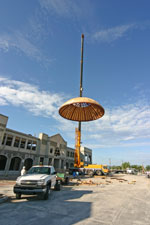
[125,165]
[137,167]
[148,167]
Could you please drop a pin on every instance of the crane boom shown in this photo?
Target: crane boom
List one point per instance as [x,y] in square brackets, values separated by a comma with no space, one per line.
[77,160]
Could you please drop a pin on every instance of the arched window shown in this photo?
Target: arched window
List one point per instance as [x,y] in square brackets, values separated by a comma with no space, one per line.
[28,163]
[90,158]
[71,165]
[15,163]
[3,160]
[86,158]
[67,165]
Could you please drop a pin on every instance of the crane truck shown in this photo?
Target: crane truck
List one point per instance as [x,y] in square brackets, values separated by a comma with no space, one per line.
[90,169]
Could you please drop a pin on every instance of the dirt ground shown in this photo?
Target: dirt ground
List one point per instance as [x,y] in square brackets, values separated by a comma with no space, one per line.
[116,200]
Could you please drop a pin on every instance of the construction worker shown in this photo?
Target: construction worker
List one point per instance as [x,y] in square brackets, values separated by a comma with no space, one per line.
[23,171]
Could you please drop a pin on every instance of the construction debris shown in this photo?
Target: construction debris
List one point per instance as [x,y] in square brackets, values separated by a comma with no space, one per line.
[132,182]
[102,177]
[101,180]
[119,179]
[89,182]
[109,181]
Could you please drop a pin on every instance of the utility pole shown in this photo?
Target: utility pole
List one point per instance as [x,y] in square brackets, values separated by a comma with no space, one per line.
[110,163]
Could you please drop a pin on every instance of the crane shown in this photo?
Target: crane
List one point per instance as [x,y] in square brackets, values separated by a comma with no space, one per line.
[77,160]
[80,109]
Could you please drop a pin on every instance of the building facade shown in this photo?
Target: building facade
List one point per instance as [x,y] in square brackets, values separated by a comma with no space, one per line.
[18,149]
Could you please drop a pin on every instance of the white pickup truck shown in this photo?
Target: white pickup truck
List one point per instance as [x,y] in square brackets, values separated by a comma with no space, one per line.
[131,171]
[38,180]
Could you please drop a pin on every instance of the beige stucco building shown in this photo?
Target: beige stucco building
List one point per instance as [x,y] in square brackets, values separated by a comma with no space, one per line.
[18,149]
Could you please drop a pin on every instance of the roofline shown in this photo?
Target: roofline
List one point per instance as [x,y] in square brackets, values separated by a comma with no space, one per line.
[4,116]
[60,135]
[18,132]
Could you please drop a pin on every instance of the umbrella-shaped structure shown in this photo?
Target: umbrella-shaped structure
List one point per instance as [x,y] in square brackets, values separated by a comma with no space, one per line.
[81,109]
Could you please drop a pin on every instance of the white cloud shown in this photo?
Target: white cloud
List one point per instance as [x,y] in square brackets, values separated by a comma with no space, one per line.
[38,102]
[61,7]
[126,125]
[17,41]
[122,126]
[112,34]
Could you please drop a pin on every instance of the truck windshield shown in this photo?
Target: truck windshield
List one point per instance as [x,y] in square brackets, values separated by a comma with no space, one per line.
[105,167]
[39,170]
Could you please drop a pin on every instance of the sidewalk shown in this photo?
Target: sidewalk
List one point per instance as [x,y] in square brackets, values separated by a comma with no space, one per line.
[6,190]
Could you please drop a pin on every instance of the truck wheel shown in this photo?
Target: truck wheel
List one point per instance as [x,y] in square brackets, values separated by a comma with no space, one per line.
[48,191]
[67,180]
[57,185]
[18,196]
[98,172]
[90,172]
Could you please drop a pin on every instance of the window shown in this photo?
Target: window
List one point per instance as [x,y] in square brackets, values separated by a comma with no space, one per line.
[90,158]
[22,145]
[29,144]
[71,165]
[15,163]
[40,170]
[62,164]
[9,140]
[4,138]
[28,163]
[86,158]
[68,154]
[3,161]
[16,143]
[52,170]
[51,150]
[67,165]
[57,152]
[34,144]
[41,160]
[50,161]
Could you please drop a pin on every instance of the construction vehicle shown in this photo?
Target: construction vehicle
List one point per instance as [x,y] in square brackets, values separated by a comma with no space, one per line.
[91,169]
[82,109]
[94,169]
[63,176]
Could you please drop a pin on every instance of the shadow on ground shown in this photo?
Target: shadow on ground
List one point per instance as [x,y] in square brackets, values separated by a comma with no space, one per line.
[64,207]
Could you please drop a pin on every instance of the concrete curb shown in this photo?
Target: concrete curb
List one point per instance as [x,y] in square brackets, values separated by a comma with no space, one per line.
[3,198]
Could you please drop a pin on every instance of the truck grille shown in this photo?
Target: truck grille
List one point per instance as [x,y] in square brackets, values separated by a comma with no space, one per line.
[29,182]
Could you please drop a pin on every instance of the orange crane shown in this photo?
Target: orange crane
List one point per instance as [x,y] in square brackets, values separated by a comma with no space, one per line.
[80,109]
[77,160]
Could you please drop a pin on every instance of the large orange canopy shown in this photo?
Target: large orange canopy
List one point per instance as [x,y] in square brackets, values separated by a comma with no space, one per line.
[81,109]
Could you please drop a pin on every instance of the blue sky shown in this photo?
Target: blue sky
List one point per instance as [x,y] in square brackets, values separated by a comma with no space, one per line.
[40,50]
